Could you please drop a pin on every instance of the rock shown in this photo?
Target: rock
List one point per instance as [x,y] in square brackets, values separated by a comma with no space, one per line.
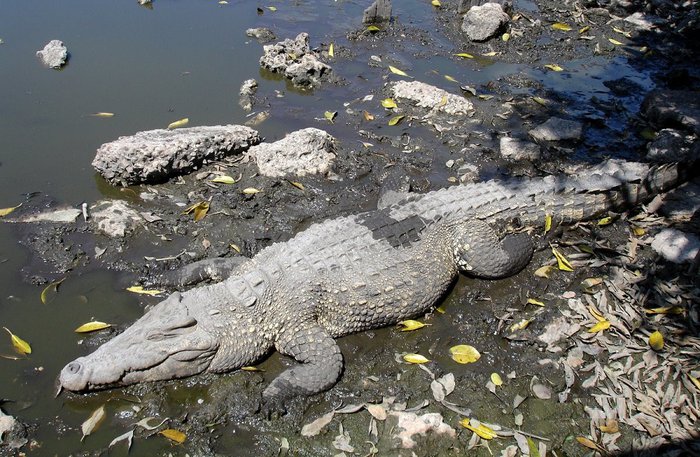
[410,424]
[676,246]
[673,109]
[304,152]
[115,218]
[157,155]
[379,11]
[431,97]
[516,149]
[295,60]
[13,433]
[465,5]
[669,146]
[248,89]
[54,54]
[643,22]
[681,205]
[262,34]
[483,22]
[557,129]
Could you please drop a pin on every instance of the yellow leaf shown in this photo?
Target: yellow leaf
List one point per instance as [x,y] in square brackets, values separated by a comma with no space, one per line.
[622,32]
[92,327]
[599,327]
[252,369]
[596,314]
[415,358]
[330,50]
[590,444]
[522,325]
[591,282]
[18,343]
[656,341]
[535,302]
[694,380]
[50,291]
[562,262]
[561,26]
[554,67]
[396,119]
[396,71]
[585,29]
[368,116]
[178,124]
[496,379]
[142,291]
[505,36]
[102,114]
[251,190]
[482,430]
[436,3]
[200,211]
[172,434]
[389,103]
[441,309]
[373,28]
[271,8]
[223,2]
[409,325]
[464,55]
[6,211]
[451,79]
[666,310]
[224,179]
[235,247]
[463,353]
[615,42]
[605,221]
[610,426]
[443,101]
[638,231]
[547,223]
[545,271]
[490,54]
[330,115]
[297,184]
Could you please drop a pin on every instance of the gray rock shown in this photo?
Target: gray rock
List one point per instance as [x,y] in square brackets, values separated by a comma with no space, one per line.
[248,89]
[157,155]
[54,54]
[465,5]
[642,21]
[483,22]
[669,146]
[557,129]
[115,218]
[516,149]
[681,204]
[262,34]
[676,246]
[13,434]
[295,60]
[378,12]
[409,424]
[674,109]
[431,97]
[304,152]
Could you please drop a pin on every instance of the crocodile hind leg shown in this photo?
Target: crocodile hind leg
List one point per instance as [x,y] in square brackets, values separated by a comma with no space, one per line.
[479,252]
[319,357]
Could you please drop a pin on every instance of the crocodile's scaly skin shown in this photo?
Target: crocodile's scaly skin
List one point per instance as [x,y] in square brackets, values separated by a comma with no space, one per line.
[351,274]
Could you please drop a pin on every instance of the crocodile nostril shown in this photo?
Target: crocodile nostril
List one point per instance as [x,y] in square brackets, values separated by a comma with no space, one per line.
[74,367]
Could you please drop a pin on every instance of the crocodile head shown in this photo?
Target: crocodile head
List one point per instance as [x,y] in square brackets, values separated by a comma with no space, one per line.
[170,341]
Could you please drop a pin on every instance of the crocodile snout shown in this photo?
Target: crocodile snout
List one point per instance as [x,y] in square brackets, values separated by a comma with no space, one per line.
[73,376]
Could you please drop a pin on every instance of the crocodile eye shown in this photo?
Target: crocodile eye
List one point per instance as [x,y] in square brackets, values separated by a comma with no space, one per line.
[186,325]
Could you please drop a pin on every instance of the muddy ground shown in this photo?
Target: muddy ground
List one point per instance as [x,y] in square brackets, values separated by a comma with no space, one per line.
[219,414]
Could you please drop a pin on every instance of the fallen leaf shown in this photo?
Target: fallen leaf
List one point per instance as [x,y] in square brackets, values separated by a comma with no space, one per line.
[377,411]
[443,101]
[490,54]
[694,380]
[368,116]
[591,282]
[330,115]
[605,221]
[545,271]
[179,123]
[396,119]
[482,430]
[409,325]
[396,71]
[92,326]
[271,8]
[315,427]
[610,426]
[224,179]
[451,79]
[297,184]
[252,369]
[532,301]
[562,262]
[102,114]
[464,55]
[656,341]
[142,291]
[251,190]
[94,421]
[554,67]
[389,103]
[373,28]
[18,343]
[436,3]
[590,444]
[584,29]
[547,218]
[6,211]
[330,50]
[615,42]
[561,26]
[415,358]
[128,436]
[50,291]
[174,435]
[666,310]
[144,423]
[599,327]
[522,325]
[496,379]
[235,247]
[199,209]
[505,36]
[463,353]
[532,447]
[541,391]
[638,231]
[596,314]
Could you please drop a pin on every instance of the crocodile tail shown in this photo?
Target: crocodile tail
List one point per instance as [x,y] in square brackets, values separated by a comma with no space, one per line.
[659,179]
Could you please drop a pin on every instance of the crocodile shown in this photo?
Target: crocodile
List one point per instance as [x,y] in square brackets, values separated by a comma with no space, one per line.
[356,273]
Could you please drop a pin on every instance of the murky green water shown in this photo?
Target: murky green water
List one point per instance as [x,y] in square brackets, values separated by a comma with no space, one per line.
[183,58]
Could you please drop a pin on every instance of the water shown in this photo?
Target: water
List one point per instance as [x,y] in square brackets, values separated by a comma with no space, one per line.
[151,67]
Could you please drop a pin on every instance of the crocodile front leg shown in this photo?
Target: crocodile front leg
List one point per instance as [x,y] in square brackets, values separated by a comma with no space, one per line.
[319,357]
